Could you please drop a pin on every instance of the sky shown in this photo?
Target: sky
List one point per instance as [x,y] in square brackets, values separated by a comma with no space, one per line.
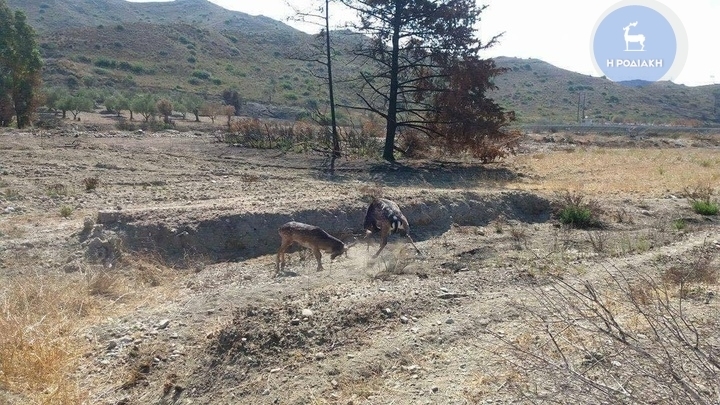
[555,31]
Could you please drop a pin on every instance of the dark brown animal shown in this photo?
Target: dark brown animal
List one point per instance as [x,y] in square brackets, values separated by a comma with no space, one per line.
[311,237]
[385,217]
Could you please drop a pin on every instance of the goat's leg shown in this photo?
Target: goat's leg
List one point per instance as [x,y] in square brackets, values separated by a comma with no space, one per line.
[318,257]
[383,242]
[368,238]
[280,259]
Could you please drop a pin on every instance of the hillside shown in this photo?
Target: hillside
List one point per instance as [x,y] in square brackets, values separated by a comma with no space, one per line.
[198,47]
[541,92]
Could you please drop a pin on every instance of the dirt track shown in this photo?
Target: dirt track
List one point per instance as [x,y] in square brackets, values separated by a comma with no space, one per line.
[401,329]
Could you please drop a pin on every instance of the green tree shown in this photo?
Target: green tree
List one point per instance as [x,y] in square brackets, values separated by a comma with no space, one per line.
[122,102]
[20,67]
[413,45]
[77,103]
[145,105]
[52,97]
[193,103]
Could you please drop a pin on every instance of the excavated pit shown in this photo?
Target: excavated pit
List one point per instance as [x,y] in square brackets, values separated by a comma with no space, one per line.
[215,234]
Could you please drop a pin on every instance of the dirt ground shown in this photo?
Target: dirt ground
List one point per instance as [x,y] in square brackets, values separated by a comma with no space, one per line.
[406,328]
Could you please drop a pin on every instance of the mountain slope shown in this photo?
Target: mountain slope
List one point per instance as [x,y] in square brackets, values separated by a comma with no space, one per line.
[194,46]
[543,92]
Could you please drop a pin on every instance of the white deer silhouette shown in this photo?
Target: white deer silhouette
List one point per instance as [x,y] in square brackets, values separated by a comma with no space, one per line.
[633,38]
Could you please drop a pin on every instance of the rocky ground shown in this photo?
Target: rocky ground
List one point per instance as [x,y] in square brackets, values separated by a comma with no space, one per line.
[202,320]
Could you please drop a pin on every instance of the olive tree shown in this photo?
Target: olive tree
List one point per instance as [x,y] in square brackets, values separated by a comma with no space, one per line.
[20,67]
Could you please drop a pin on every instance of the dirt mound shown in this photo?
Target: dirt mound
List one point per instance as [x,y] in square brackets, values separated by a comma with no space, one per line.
[300,331]
[218,234]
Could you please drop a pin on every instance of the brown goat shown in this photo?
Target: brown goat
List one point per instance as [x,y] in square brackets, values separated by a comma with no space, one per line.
[311,237]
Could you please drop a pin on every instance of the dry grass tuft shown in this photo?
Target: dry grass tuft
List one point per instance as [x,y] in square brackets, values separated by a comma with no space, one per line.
[38,345]
[41,318]
[701,270]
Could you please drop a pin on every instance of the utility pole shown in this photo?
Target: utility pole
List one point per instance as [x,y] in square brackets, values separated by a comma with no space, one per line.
[578,110]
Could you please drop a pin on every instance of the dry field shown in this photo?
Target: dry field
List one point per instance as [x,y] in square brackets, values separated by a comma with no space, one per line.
[138,269]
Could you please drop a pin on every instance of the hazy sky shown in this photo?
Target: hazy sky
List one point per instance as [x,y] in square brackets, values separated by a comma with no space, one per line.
[556,31]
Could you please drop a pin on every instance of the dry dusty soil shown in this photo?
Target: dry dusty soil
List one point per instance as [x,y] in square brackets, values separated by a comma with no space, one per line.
[182,231]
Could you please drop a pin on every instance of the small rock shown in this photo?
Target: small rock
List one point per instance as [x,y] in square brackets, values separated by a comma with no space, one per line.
[72,267]
[404,319]
[295,322]
[449,321]
[307,312]
[387,311]
[163,324]
[275,370]
[434,389]
[334,383]
[319,356]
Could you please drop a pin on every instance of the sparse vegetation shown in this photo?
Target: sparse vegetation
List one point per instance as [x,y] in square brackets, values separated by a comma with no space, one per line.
[620,312]
[705,207]
[66,211]
[701,200]
[577,211]
[91,183]
[626,328]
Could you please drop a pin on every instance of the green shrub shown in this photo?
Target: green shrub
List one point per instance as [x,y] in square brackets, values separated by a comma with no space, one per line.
[701,200]
[201,74]
[579,217]
[679,224]
[574,210]
[66,211]
[705,207]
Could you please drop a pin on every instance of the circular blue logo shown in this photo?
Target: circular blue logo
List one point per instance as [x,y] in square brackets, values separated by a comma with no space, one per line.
[639,41]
